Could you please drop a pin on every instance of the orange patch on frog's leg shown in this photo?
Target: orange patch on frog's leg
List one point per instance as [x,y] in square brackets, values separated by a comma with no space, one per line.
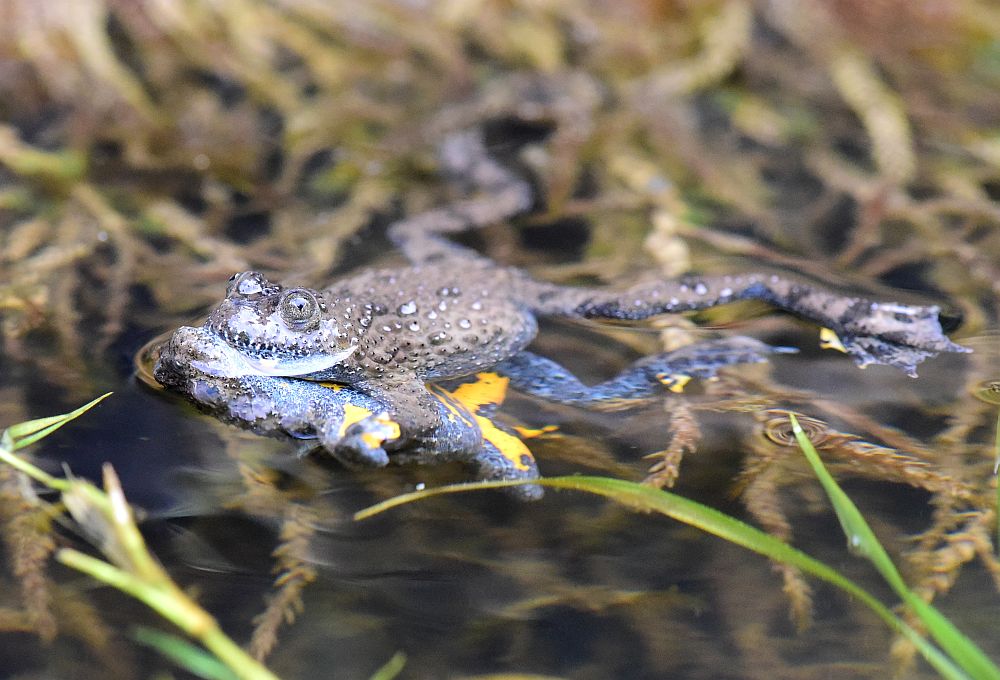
[509,446]
[490,389]
[455,408]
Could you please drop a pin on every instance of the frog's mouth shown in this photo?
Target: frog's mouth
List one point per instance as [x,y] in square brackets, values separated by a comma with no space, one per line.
[288,367]
[232,362]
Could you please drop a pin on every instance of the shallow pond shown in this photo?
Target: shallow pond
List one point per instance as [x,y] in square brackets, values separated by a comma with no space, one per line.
[147,155]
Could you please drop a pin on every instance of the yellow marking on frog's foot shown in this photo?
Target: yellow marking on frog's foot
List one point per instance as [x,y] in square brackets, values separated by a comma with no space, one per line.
[531,433]
[355,414]
[828,340]
[336,387]
[394,431]
[675,382]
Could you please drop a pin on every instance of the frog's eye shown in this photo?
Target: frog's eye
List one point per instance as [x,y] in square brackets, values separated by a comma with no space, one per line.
[299,308]
[247,284]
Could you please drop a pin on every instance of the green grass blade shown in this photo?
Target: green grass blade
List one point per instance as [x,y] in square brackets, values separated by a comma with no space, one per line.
[23,434]
[391,668]
[108,520]
[646,499]
[191,658]
[996,469]
[862,539]
[170,602]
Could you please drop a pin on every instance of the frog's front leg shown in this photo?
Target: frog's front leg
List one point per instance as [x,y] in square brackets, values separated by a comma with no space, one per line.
[423,422]
[647,377]
[448,430]
[361,430]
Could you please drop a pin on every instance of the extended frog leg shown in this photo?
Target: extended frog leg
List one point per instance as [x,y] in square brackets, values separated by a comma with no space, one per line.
[647,377]
[871,332]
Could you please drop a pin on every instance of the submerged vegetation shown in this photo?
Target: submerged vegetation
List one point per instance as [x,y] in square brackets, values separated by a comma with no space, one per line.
[107,520]
[150,149]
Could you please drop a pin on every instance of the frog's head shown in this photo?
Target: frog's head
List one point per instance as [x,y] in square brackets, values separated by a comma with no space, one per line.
[280,331]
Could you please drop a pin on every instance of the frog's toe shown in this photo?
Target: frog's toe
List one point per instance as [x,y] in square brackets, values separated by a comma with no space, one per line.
[356,450]
[360,444]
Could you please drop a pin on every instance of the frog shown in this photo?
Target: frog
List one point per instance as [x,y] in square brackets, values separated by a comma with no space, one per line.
[370,368]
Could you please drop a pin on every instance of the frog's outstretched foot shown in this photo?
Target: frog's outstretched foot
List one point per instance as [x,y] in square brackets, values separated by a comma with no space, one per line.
[891,334]
[647,377]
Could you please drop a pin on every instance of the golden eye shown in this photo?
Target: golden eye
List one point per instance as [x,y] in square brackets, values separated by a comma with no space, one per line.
[299,308]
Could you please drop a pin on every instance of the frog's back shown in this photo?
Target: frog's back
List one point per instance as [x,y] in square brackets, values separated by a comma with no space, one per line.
[434,321]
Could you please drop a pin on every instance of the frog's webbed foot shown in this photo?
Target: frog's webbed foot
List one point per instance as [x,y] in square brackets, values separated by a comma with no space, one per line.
[891,334]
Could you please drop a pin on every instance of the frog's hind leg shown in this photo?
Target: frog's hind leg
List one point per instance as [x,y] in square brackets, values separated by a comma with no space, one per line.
[871,332]
[495,462]
[502,194]
[647,377]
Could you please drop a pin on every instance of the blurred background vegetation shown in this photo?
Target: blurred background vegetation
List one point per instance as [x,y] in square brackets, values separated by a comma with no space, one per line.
[149,149]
